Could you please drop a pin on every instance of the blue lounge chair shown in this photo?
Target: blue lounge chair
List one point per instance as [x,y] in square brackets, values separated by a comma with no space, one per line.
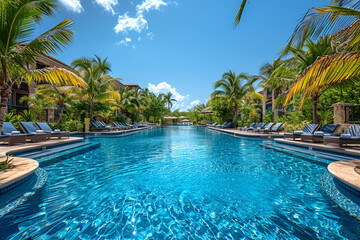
[254,127]
[33,133]
[222,125]
[269,126]
[275,128]
[11,135]
[228,125]
[352,136]
[50,133]
[97,126]
[318,136]
[247,127]
[259,126]
[308,129]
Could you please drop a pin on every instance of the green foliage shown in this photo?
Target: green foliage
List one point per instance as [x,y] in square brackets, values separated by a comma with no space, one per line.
[6,164]
[269,117]
[27,116]
[73,125]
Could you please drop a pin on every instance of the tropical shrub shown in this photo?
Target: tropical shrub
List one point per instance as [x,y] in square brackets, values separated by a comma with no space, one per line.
[7,163]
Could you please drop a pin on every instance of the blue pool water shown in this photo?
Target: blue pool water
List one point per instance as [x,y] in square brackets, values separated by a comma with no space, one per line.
[183,183]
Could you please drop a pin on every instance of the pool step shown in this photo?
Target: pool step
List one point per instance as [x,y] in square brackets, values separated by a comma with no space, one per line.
[48,151]
[52,155]
[313,155]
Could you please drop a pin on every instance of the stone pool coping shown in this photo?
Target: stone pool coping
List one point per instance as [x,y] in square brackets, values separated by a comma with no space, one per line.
[345,172]
[236,132]
[24,167]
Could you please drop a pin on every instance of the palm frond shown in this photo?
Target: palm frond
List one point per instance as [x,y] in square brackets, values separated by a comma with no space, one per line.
[56,76]
[325,71]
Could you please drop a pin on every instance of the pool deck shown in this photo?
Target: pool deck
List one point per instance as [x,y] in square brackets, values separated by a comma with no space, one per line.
[236,132]
[345,172]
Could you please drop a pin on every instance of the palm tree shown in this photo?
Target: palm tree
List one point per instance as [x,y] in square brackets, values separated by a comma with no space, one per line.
[128,101]
[169,100]
[233,88]
[61,96]
[17,23]
[94,72]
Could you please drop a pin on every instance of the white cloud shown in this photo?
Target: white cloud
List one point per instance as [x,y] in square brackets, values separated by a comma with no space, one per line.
[138,23]
[108,4]
[126,23]
[72,5]
[148,5]
[124,42]
[194,103]
[150,35]
[183,101]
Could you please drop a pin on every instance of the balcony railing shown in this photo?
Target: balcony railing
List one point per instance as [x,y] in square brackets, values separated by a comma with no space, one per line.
[353,114]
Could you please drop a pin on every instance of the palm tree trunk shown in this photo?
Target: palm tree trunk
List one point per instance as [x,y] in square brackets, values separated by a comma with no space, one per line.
[4,94]
[315,100]
[61,112]
[91,107]
[236,116]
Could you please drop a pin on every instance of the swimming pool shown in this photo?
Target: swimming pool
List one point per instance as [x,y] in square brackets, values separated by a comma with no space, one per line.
[182,182]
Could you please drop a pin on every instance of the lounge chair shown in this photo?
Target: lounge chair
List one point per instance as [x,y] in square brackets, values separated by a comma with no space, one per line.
[254,127]
[222,125]
[124,125]
[213,125]
[33,133]
[118,126]
[318,136]
[11,135]
[228,125]
[352,136]
[275,128]
[261,125]
[246,127]
[104,125]
[50,133]
[269,126]
[99,127]
[308,129]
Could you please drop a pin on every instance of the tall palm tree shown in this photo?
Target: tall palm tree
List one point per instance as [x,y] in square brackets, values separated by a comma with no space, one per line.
[99,85]
[168,97]
[233,88]
[18,19]
[61,96]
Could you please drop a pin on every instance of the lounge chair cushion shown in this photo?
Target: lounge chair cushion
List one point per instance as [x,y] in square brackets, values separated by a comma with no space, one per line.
[329,128]
[8,128]
[44,126]
[15,132]
[345,135]
[29,127]
[321,133]
[298,132]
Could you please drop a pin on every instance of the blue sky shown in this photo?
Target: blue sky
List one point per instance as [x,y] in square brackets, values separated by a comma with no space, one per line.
[182,46]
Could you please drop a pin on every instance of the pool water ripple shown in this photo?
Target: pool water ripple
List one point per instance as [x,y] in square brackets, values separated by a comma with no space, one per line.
[183,183]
